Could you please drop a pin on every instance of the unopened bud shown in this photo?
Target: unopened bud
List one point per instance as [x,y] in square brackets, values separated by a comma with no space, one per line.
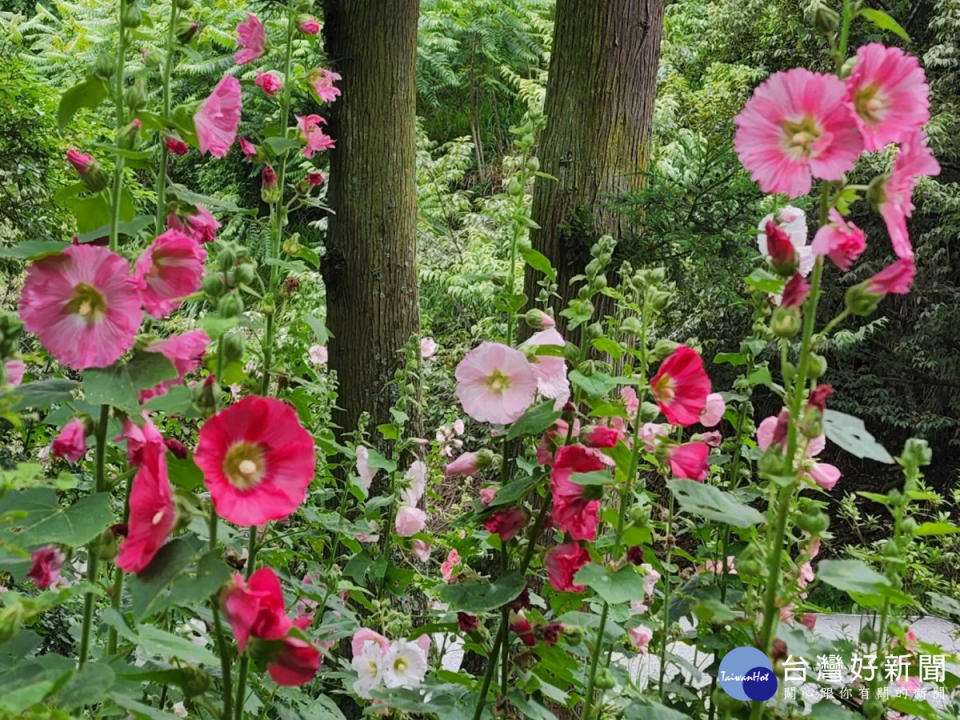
[130,16]
[230,305]
[860,301]
[104,66]
[233,347]
[785,322]
[91,173]
[186,31]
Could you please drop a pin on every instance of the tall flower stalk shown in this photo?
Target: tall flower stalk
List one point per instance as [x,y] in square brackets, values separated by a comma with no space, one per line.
[170,52]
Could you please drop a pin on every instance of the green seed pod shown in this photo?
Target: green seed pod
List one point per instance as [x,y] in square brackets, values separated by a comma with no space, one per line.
[605,680]
[130,17]
[533,164]
[230,305]
[245,273]
[786,322]
[213,285]
[515,188]
[226,259]
[233,347]
[104,66]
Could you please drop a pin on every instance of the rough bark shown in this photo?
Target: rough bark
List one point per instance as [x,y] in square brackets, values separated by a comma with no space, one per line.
[370,269]
[599,107]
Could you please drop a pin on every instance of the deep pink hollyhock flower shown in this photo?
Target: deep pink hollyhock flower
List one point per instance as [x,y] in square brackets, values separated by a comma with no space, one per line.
[888,94]
[176,145]
[254,607]
[170,269]
[317,140]
[809,621]
[522,627]
[153,512]
[309,26]
[410,521]
[14,370]
[640,636]
[782,255]
[576,508]
[681,386]
[840,240]
[248,149]
[563,562]
[71,443]
[773,430]
[257,461]
[178,449]
[140,440]
[793,221]
[270,83]
[45,566]
[819,395]
[185,352]
[251,39]
[201,225]
[602,436]
[797,125]
[268,178]
[467,623]
[365,635]
[713,411]
[316,178]
[322,81]
[895,195]
[795,292]
[552,633]
[421,550]
[81,162]
[83,306]
[506,523]
[487,494]
[297,661]
[217,119]
[551,371]
[555,436]
[689,461]
[465,465]
[448,566]
[896,278]
[495,383]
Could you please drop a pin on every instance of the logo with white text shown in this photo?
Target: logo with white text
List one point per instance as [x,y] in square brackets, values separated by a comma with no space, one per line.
[745,673]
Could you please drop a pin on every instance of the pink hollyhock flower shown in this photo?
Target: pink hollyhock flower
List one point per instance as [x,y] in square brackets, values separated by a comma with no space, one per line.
[14,370]
[563,562]
[316,178]
[318,354]
[713,411]
[809,621]
[689,461]
[83,306]
[522,627]
[681,386]
[140,440]
[254,607]
[369,537]
[251,39]
[309,26]
[650,434]
[911,685]
[428,347]
[269,82]
[410,521]
[551,371]
[153,512]
[416,479]
[894,197]
[712,438]
[720,567]
[448,566]
[185,352]
[365,635]
[650,579]
[896,278]
[576,508]
[248,149]
[257,461]
[71,443]
[45,566]
[887,92]
[175,145]
[488,494]
[640,636]
[495,383]
[170,269]
[317,140]
[601,436]
[421,550]
[823,474]
[217,119]
[795,292]
[465,465]
[793,221]
[555,436]
[506,523]
[364,470]
[819,395]
[841,241]
[780,251]
[322,81]
[296,662]
[630,400]
[92,175]
[797,125]
[201,225]
[773,430]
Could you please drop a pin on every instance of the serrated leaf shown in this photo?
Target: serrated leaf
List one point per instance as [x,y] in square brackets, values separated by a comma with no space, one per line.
[713,503]
[851,434]
[476,596]
[534,421]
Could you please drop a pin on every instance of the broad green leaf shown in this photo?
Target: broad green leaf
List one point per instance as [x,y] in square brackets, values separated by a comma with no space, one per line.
[33,249]
[614,587]
[476,596]
[160,642]
[111,386]
[713,504]
[651,710]
[883,21]
[44,520]
[827,710]
[88,686]
[608,346]
[852,576]
[87,94]
[729,358]
[16,700]
[915,708]
[216,326]
[176,401]
[192,588]
[851,434]
[139,710]
[538,261]
[765,281]
[534,421]
[130,228]
[148,586]
[596,385]
[211,203]
[147,369]
[41,394]
[936,528]
[514,490]
[184,472]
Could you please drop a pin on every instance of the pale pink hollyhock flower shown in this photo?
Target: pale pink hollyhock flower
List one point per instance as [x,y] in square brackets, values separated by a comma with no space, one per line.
[45,566]
[840,240]
[428,347]
[170,269]
[689,461]
[562,563]
[487,494]
[681,386]
[650,434]
[716,566]
[551,371]
[895,196]
[712,412]
[153,512]
[251,39]
[495,383]
[640,636]
[888,94]
[896,278]
[792,221]
[650,579]
[140,440]
[416,477]
[176,145]
[311,132]
[309,26]
[248,149]
[797,125]
[421,550]
[83,305]
[449,565]
[201,225]
[185,351]
[365,635]
[14,370]
[458,426]
[257,461]
[630,400]
[217,119]
[507,523]
[465,465]
[71,443]
[318,354]
[823,474]
[269,82]
[364,471]
[410,521]
[911,684]
[712,438]
[322,81]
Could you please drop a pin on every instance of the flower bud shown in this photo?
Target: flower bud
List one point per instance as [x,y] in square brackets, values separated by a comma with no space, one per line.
[244,273]
[91,173]
[594,330]
[151,58]
[860,301]
[230,305]
[632,325]
[186,30]
[213,285]
[104,66]
[825,18]
[226,258]
[785,322]
[308,25]
[868,635]
[573,634]
[782,254]
[233,347]
[130,16]
[196,681]
[916,453]
[605,680]
[877,190]
[662,349]
[515,188]
[771,462]
[817,366]
[129,134]
[538,319]
[107,547]
[291,246]
[648,412]
[269,189]
[184,4]
[204,395]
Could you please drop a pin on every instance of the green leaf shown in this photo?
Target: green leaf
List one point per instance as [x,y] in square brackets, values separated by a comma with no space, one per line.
[159,642]
[851,434]
[596,385]
[88,94]
[211,203]
[713,503]
[147,369]
[33,249]
[139,710]
[111,386]
[614,587]
[184,472]
[41,394]
[608,346]
[172,559]
[852,576]
[734,359]
[176,401]
[534,421]
[216,326]
[538,261]
[88,686]
[765,281]
[476,596]
[883,21]
[650,710]
[514,490]
[827,710]
[129,228]
[41,519]
[936,528]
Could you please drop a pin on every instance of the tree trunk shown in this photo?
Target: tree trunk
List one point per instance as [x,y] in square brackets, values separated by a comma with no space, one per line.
[370,269]
[599,107]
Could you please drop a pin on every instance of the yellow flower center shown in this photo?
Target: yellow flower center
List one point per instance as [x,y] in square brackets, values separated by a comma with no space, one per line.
[870,103]
[498,382]
[800,136]
[244,465]
[400,665]
[87,302]
[664,389]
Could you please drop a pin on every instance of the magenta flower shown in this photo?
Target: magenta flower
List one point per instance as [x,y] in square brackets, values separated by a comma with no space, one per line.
[14,370]
[894,199]
[772,431]
[170,269]
[681,386]
[83,305]
[140,440]
[322,81]
[71,443]
[248,149]
[255,607]
[506,523]
[887,92]
[309,26]
[576,508]
[311,132]
[689,460]
[268,82]
[251,39]
[797,125]
[153,512]
[92,175]
[562,563]
[185,352]
[840,240]
[795,292]
[201,225]
[176,145]
[495,383]
[792,221]
[316,178]
[45,566]
[217,119]
[448,566]
[895,278]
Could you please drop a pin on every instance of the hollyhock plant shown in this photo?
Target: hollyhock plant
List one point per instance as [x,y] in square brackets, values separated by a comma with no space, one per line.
[153,512]
[640,637]
[296,661]
[170,269]
[269,82]
[251,39]
[551,371]
[255,608]
[887,91]
[322,81]
[576,509]
[45,564]
[71,443]
[404,665]
[200,224]
[681,386]
[689,460]
[449,565]
[823,474]
[507,523]
[217,119]
[562,563]
[495,383]
[83,305]
[314,136]
[175,145]
[840,240]
[895,279]
[797,126]
[141,440]
[257,461]
[185,352]
[894,195]
[713,411]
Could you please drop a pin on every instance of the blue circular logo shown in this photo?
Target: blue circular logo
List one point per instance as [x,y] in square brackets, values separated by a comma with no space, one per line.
[745,673]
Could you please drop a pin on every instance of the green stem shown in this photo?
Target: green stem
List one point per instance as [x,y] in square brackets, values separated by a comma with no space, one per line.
[666,598]
[164,153]
[245,658]
[118,573]
[267,354]
[222,648]
[121,121]
[93,549]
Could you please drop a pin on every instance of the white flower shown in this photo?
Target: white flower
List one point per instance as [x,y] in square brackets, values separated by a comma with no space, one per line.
[369,668]
[364,470]
[405,665]
[416,475]
[179,709]
[318,354]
